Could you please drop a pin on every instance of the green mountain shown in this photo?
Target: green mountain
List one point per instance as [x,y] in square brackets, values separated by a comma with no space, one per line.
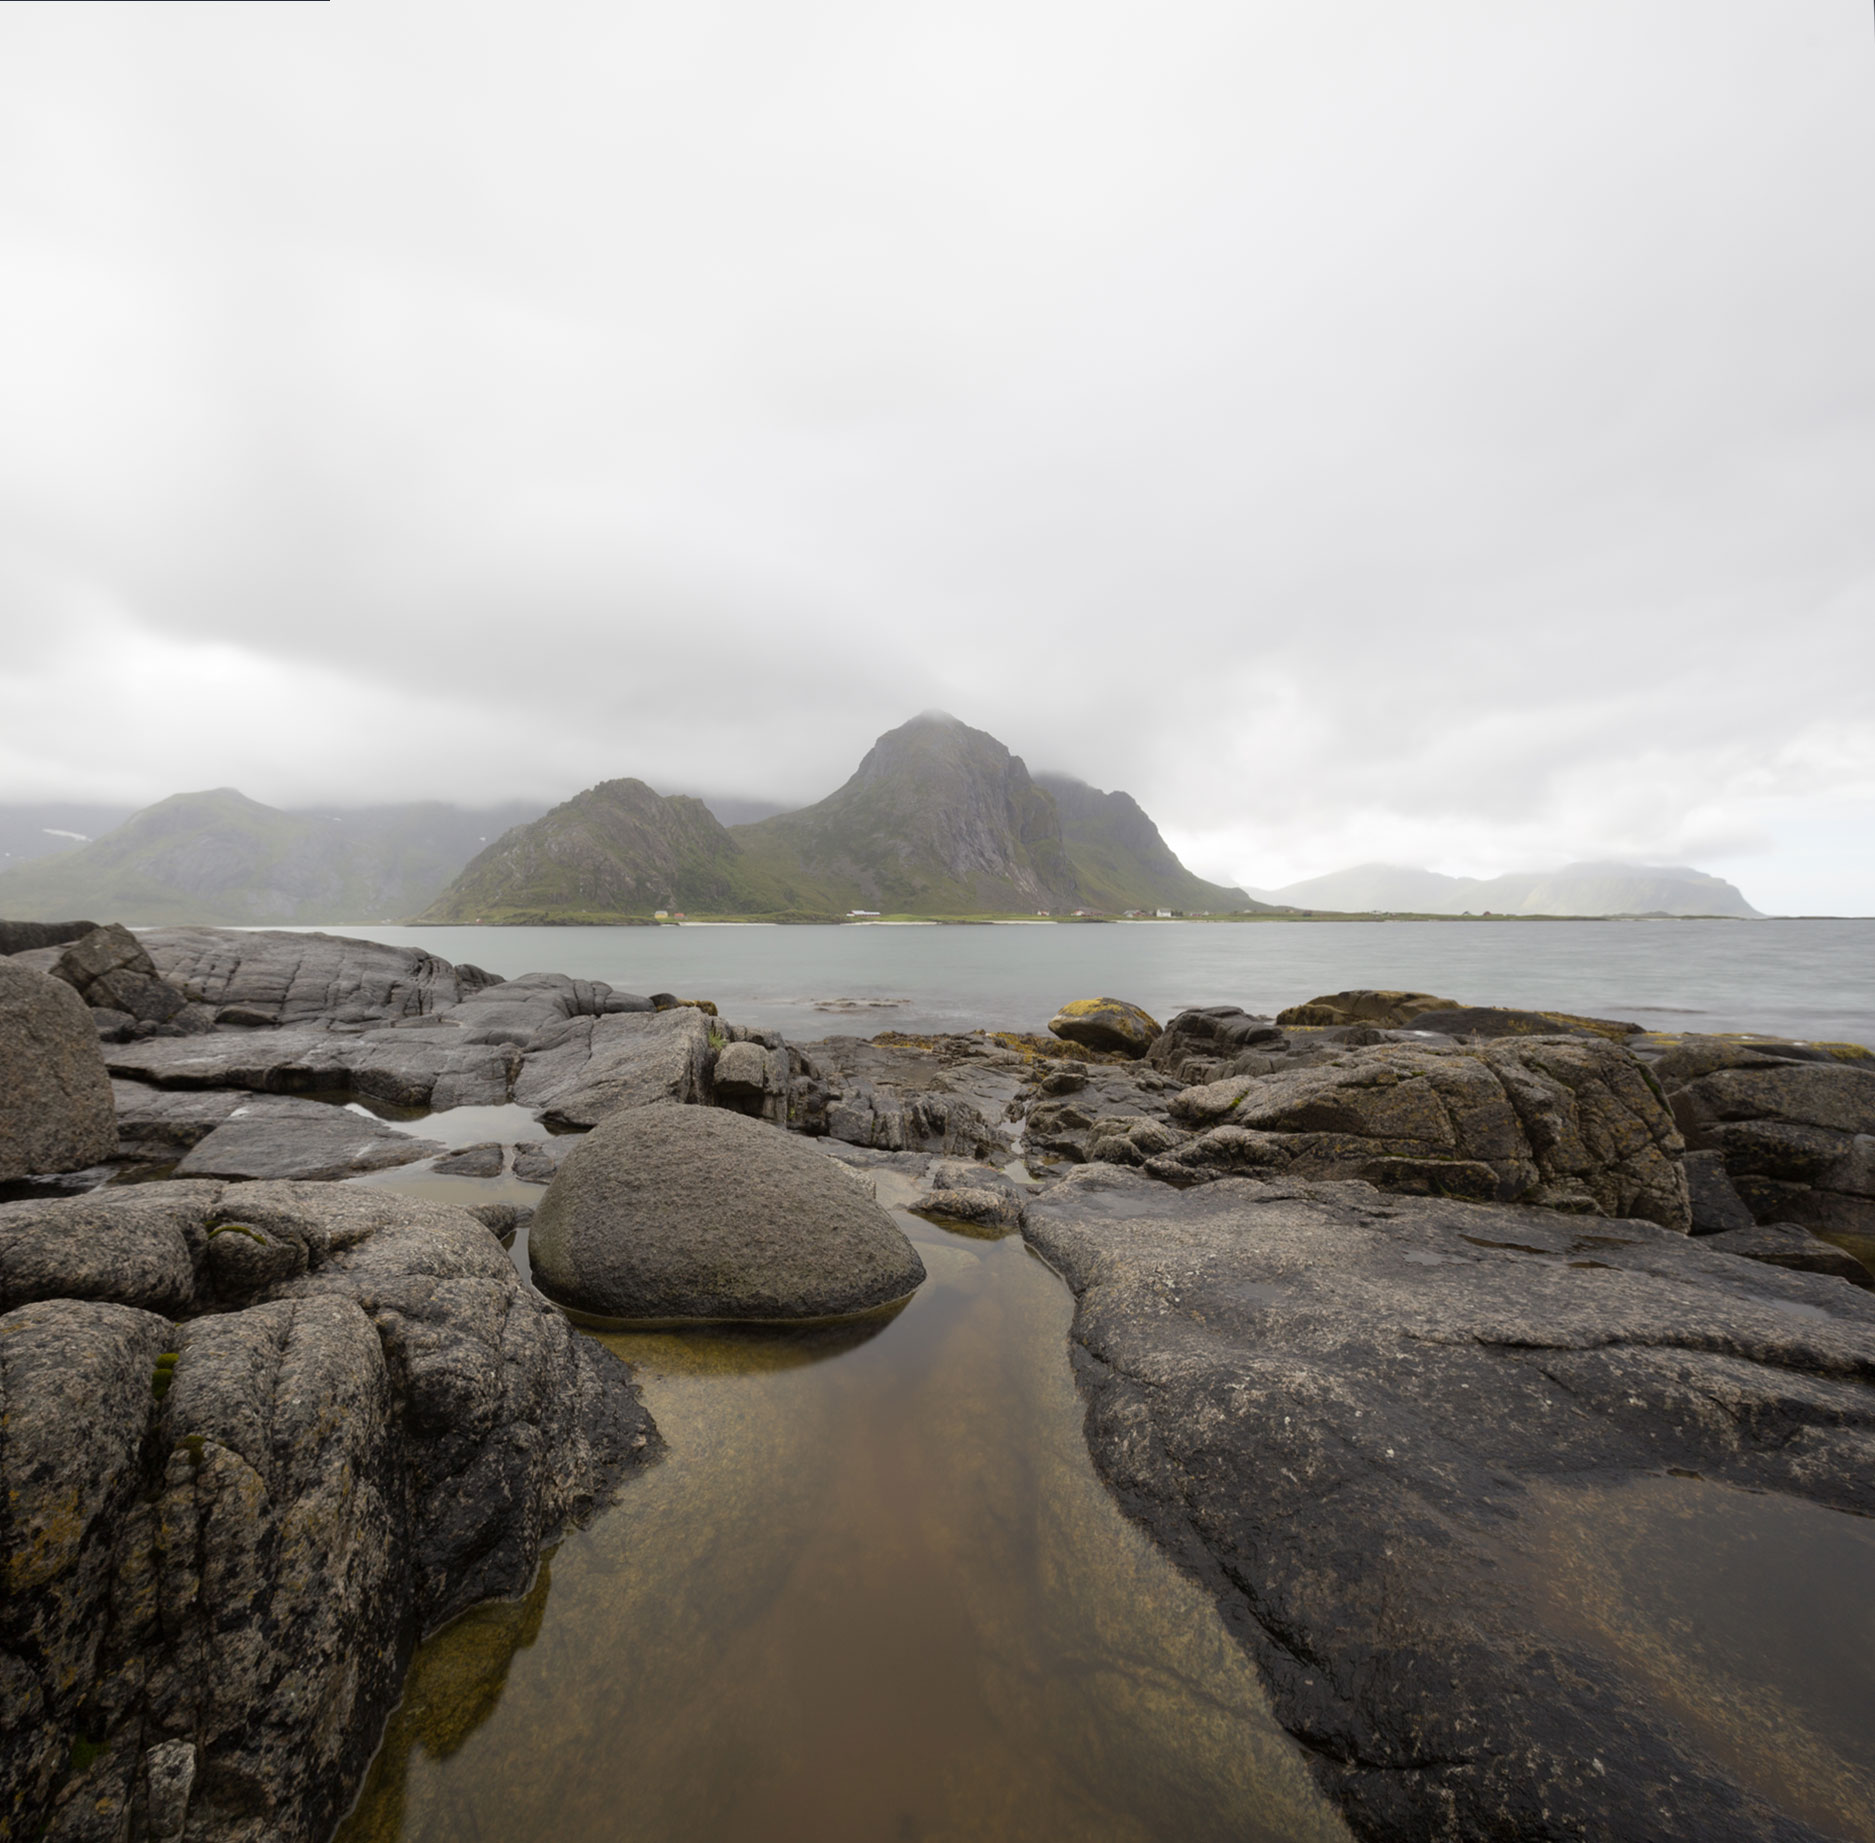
[939,819]
[616,849]
[1120,861]
[220,857]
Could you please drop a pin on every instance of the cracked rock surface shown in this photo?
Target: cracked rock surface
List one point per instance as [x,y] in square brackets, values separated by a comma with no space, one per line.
[1354,1415]
[319,1422]
[1572,1123]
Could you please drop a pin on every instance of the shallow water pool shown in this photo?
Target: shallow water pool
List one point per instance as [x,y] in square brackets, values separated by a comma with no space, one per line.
[873,1591]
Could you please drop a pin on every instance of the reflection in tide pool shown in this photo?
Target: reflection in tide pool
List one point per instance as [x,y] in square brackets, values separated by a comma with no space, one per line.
[874,1592]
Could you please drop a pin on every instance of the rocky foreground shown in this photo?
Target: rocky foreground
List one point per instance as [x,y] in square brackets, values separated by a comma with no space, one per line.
[1373,1297]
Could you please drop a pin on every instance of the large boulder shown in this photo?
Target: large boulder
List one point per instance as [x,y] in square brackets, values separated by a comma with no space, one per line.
[1383,1010]
[1485,1489]
[692,1213]
[110,971]
[224,1535]
[1797,1136]
[1105,1024]
[55,1094]
[1567,1123]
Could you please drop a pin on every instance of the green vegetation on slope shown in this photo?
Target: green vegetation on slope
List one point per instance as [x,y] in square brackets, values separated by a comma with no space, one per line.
[939,819]
[617,850]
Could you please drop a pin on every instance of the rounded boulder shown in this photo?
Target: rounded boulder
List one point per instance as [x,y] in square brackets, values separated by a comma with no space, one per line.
[56,1110]
[1105,1024]
[671,1214]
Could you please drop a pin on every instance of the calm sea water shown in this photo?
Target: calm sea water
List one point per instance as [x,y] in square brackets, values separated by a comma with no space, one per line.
[1809,979]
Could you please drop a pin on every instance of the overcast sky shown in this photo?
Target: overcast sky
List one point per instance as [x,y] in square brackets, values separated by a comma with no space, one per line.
[1439,433]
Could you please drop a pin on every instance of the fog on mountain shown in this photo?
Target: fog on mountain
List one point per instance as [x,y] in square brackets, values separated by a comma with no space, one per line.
[938,819]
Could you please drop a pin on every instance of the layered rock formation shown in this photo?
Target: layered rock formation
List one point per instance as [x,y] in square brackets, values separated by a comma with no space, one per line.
[318,1422]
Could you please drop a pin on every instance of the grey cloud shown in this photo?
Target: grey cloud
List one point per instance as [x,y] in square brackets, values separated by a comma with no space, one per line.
[1343,427]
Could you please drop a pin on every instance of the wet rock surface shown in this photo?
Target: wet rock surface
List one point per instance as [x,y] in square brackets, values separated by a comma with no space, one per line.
[55,1096]
[1339,1408]
[362,1424]
[691,1213]
[1786,1244]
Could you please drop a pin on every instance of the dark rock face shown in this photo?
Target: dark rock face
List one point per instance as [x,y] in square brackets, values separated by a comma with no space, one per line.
[1384,1010]
[693,1213]
[1106,1024]
[26,936]
[110,971]
[1352,1415]
[1717,1207]
[1570,1123]
[363,1425]
[55,1096]
[281,978]
[1203,1044]
[1797,1137]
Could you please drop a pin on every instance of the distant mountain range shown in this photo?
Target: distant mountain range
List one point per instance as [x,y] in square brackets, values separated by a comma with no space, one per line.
[938,819]
[1576,889]
[221,857]
[46,828]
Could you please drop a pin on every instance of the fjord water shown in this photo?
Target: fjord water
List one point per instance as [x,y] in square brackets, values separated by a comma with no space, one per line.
[1808,979]
[874,1590]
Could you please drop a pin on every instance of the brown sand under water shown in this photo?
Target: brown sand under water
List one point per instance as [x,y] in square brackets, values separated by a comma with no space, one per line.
[874,1592]
[1747,1618]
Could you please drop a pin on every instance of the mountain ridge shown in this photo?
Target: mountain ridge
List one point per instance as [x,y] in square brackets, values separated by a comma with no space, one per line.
[1584,889]
[937,819]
